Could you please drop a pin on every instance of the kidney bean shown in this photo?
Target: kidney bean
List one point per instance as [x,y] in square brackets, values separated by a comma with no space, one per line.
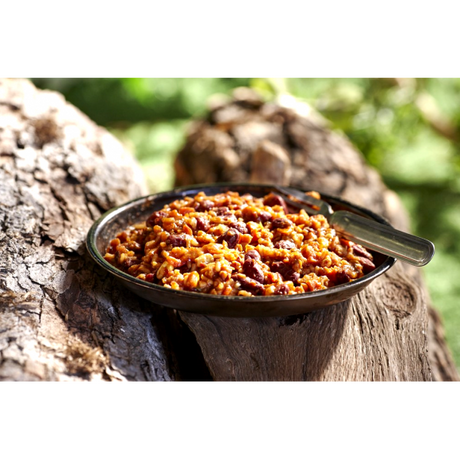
[275,200]
[155,218]
[361,252]
[285,244]
[367,264]
[252,254]
[264,216]
[177,240]
[282,289]
[149,277]
[205,205]
[286,271]
[240,226]
[184,268]
[231,236]
[279,222]
[250,285]
[202,224]
[222,211]
[252,269]
[342,278]
[251,215]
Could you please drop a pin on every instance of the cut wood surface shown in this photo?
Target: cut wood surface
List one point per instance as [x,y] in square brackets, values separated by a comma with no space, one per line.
[63,318]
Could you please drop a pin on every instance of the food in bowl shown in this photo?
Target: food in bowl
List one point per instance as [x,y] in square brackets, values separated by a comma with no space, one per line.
[238,245]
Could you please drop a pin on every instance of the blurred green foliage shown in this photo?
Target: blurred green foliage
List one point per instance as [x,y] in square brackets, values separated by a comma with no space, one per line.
[408,129]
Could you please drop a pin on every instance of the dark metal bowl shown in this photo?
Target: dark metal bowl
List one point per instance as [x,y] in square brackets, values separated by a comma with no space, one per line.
[136,211]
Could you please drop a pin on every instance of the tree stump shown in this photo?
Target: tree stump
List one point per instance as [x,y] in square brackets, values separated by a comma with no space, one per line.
[387,332]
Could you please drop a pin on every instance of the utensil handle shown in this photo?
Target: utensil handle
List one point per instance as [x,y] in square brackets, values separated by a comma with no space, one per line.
[383,238]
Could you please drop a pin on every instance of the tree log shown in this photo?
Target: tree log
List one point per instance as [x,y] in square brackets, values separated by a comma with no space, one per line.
[387,332]
[61,317]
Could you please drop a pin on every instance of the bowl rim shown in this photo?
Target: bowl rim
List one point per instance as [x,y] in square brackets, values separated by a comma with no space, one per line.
[98,225]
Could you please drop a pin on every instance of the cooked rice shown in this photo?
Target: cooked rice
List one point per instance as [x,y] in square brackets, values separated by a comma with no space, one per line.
[231,244]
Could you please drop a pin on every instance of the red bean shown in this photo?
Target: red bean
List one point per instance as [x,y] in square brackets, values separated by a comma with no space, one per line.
[252,215]
[275,200]
[286,271]
[342,278]
[231,236]
[223,211]
[367,264]
[155,218]
[264,216]
[252,254]
[202,224]
[361,252]
[285,244]
[177,240]
[252,269]
[250,285]
[205,205]
[240,226]
[281,223]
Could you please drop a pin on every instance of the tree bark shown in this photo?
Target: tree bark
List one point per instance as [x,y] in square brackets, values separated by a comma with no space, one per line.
[61,317]
[388,332]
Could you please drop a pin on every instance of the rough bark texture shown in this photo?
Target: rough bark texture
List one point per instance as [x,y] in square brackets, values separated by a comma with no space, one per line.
[61,317]
[388,332]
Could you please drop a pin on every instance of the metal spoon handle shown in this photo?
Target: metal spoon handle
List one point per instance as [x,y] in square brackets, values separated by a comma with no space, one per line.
[382,238]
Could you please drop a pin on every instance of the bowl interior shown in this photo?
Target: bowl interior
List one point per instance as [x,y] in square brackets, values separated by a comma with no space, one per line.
[136,211]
